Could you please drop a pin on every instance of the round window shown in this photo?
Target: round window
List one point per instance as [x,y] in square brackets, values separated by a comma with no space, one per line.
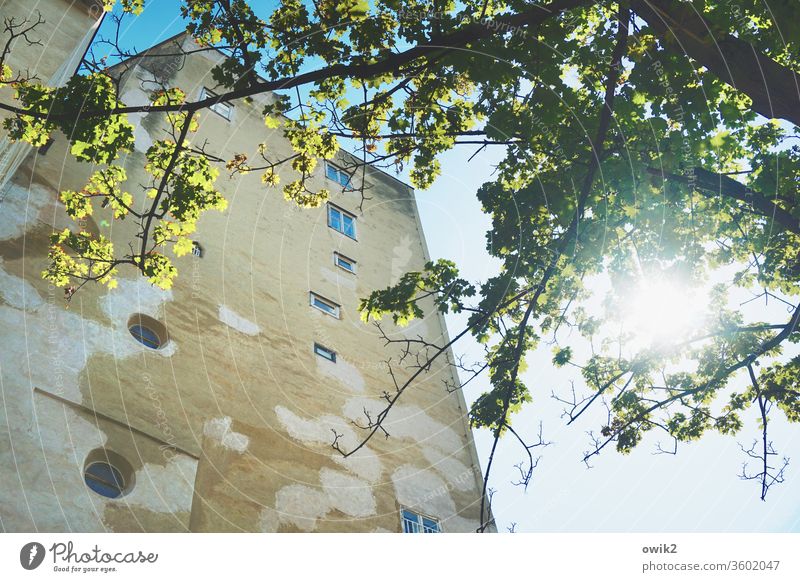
[108,473]
[104,479]
[147,331]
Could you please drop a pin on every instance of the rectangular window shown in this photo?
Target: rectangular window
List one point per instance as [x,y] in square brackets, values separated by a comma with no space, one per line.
[342,221]
[325,352]
[325,305]
[416,523]
[338,175]
[223,109]
[345,263]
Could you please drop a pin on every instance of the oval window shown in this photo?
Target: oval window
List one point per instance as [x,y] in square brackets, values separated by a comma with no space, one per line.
[145,335]
[104,479]
[147,331]
[108,473]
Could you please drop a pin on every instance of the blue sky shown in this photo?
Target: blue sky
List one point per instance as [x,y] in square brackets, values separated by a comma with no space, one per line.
[696,490]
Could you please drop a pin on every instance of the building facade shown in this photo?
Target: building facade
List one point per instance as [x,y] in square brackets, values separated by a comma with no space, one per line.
[212,406]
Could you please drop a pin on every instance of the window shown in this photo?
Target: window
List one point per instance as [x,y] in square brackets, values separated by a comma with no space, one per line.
[325,352]
[222,108]
[104,479]
[416,523]
[145,335]
[345,263]
[337,175]
[108,473]
[342,221]
[197,250]
[147,331]
[325,305]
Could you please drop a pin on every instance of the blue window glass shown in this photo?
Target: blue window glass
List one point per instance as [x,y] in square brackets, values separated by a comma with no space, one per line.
[345,263]
[331,172]
[325,352]
[349,226]
[323,304]
[145,336]
[334,218]
[104,479]
[342,221]
[415,523]
[337,175]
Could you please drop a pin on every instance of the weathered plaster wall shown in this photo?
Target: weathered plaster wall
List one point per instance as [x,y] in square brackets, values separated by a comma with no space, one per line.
[243,407]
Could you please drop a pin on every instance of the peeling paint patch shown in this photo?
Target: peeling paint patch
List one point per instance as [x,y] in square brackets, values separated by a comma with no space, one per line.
[339,278]
[50,443]
[315,430]
[168,349]
[133,296]
[364,463]
[17,292]
[407,421]
[268,520]
[162,488]
[237,322]
[348,494]
[130,297]
[402,257]
[21,207]
[342,371]
[301,505]
[457,474]
[423,490]
[59,342]
[220,430]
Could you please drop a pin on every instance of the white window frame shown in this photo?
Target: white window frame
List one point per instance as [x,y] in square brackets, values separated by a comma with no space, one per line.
[418,524]
[347,187]
[223,108]
[324,352]
[343,213]
[335,308]
[337,255]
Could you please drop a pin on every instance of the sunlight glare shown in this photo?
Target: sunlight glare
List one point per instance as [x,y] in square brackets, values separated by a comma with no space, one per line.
[662,312]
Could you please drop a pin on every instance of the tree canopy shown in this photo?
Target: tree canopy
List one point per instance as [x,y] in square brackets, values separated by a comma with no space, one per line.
[641,140]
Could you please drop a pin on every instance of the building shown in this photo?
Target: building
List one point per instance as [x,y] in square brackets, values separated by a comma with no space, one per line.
[212,406]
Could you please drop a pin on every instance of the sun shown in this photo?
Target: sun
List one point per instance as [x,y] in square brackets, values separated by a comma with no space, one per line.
[662,312]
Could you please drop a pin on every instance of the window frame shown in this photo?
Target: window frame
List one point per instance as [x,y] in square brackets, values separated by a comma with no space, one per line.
[354,264]
[343,213]
[206,93]
[336,308]
[321,351]
[348,186]
[419,523]
[154,326]
[139,337]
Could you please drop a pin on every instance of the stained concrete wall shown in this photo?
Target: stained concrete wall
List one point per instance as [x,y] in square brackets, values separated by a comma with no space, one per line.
[229,426]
